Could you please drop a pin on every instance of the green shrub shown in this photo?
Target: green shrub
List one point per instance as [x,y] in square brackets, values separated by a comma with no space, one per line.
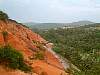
[39,45]
[39,55]
[3,16]
[12,59]
[5,34]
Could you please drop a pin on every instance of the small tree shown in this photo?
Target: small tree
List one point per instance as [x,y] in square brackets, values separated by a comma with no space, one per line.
[3,16]
[5,34]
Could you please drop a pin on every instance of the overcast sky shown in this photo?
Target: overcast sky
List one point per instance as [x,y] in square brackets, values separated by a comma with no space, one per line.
[52,10]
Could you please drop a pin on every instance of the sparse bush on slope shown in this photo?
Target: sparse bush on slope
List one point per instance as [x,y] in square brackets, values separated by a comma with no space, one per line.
[5,34]
[13,59]
[39,55]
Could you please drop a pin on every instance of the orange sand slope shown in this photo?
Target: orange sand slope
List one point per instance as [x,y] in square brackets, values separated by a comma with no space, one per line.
[44,67]
[3,71]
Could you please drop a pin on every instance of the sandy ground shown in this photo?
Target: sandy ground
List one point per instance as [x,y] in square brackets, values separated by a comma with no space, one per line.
[49,69]
[12,72]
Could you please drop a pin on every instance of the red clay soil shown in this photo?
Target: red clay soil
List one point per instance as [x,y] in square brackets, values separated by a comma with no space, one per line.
[41,66]
[4,71]
[50,59]
[21,38]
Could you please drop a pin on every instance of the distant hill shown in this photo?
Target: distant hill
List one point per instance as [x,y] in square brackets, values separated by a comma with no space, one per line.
[92,25]
[57,25]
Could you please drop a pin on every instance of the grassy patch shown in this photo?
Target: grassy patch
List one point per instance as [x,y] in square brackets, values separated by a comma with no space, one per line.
[13,59]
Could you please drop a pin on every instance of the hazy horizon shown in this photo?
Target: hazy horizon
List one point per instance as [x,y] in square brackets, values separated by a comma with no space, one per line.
[52,11]
[64,22]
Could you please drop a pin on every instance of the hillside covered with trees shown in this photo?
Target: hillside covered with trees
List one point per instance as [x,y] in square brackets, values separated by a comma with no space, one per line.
[81,46]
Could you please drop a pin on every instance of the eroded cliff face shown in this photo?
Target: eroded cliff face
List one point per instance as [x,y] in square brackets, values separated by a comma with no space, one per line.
[29,43]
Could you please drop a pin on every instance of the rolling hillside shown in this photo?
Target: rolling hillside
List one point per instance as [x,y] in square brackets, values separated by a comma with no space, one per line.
[56,25]
[80,45]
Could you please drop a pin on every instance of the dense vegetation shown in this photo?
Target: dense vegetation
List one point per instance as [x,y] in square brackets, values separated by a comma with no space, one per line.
[11,58]
[79,45]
